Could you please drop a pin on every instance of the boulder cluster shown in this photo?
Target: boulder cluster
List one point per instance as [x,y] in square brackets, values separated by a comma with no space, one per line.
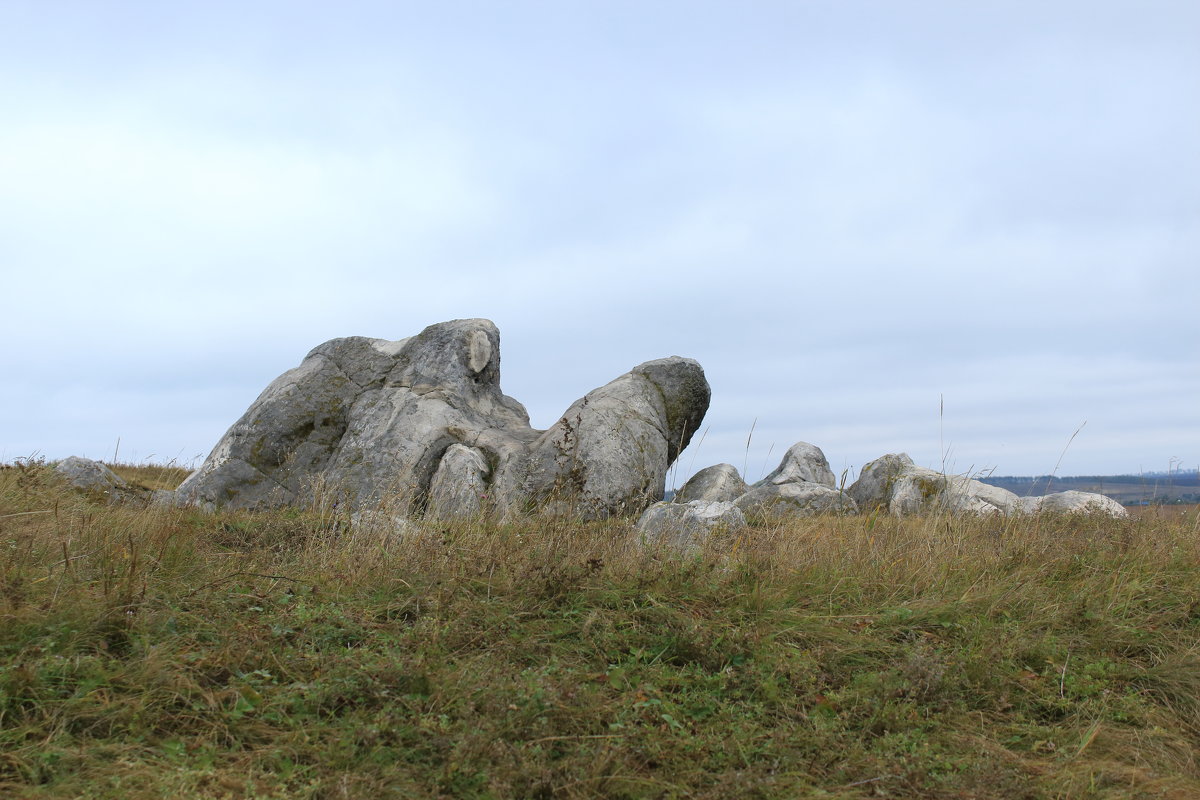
[804,485]
[420,427]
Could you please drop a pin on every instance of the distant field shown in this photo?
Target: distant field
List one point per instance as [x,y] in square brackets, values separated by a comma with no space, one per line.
[1187,513]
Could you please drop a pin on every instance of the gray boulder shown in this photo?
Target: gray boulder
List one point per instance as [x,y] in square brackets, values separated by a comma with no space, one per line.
[873,489]
[95,478]
[610,451]
[797,498]
[803,462]
[1074,503]
[421,424]
[368,417]
[893,482]
[685,526]
[802,485]
[719,483]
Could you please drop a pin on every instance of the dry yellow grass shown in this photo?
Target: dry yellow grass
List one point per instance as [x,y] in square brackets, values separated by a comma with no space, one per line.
[150,652]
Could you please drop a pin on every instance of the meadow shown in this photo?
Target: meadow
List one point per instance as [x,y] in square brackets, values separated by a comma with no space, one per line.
[164,652]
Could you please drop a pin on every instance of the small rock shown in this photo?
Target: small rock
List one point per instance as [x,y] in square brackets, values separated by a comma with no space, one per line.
[609,453]
[92,476]
[685,526]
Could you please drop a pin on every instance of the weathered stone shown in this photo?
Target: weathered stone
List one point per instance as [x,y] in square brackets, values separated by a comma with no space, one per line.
[895,483]
[873,489]
[459,487]
[392,422]
[796,498]
[1074,503]
[95,478]
[803,462]
[83,473]
[610,452]
[686,526]
[719,483]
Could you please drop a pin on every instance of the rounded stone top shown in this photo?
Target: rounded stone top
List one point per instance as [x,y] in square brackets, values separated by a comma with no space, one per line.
[459,353]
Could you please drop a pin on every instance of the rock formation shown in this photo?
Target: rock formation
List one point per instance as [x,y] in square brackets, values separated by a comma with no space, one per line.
[894,483]
[609,452]
[1074,503]
[421,425]
[802,485]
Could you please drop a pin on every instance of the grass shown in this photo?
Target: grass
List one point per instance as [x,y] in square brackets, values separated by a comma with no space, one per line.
[161,652]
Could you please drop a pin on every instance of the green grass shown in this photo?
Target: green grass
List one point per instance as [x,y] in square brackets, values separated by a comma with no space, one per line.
[149,653]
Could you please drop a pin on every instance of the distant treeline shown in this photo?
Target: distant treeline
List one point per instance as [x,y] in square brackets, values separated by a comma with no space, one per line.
[1147,488]
[1189,478]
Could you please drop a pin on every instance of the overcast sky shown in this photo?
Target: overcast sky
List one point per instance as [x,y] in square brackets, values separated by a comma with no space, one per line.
[959,230]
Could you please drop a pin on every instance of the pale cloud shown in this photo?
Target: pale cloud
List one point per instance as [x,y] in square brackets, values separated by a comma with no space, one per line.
[846,214]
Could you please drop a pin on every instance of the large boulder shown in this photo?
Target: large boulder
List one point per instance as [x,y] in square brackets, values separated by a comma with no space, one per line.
[421,424]
[719,483]
[610,451]
[1074,503]
[894,483]
[685,526]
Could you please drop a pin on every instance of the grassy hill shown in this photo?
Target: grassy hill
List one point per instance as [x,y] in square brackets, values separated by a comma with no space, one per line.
[148,653]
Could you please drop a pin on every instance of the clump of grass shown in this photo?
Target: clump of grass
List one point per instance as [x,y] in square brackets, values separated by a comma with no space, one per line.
[165,652]
[152,476]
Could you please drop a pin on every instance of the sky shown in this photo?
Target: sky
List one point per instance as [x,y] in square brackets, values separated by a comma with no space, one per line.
[965,231]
